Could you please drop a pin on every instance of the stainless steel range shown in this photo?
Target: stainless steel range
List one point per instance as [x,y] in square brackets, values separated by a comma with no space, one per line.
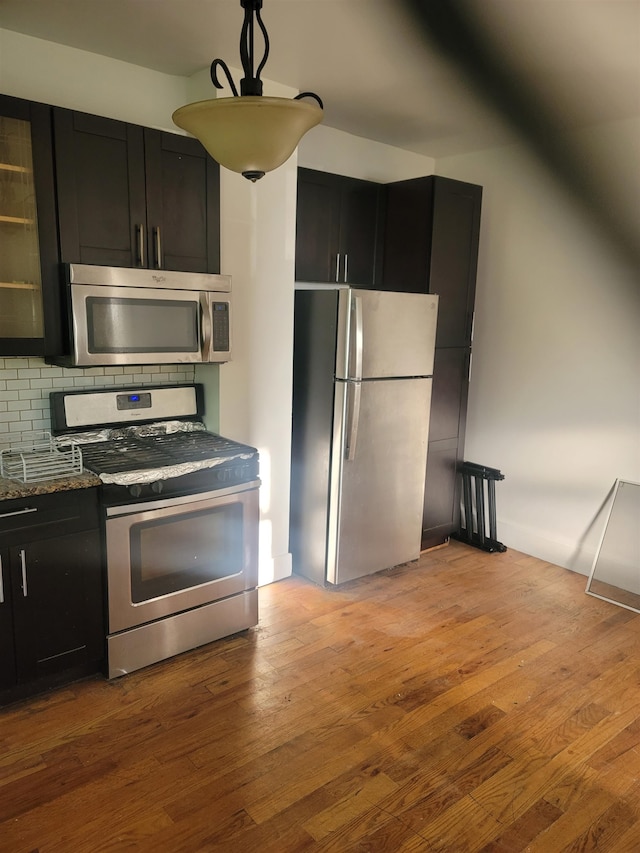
[180,514]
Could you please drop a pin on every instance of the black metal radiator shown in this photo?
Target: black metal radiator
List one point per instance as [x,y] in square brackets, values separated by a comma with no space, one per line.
[478,507]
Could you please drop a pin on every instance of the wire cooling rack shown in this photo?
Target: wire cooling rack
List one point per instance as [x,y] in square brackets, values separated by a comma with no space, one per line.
[36,458]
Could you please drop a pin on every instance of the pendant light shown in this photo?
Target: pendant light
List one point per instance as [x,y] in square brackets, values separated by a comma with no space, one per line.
[249,133]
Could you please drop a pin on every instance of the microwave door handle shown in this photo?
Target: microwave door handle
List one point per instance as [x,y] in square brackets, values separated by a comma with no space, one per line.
[140,244]
[157,247]
[205,326]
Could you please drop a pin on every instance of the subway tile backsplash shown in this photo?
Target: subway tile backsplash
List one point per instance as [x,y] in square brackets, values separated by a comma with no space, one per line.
[25,384]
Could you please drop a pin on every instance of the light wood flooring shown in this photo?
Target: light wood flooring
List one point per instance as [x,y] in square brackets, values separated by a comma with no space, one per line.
[466,702]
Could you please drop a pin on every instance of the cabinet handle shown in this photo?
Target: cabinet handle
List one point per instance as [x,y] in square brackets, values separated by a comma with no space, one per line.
[23,565]
[346,266]
[140,241]
[337,267]
[158,248]
[1,584]
[18,512]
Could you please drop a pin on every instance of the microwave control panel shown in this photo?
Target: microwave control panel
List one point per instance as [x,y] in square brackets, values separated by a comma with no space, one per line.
[220,320]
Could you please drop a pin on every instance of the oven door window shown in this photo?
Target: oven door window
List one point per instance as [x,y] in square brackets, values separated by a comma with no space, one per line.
[131,325]
[181,552]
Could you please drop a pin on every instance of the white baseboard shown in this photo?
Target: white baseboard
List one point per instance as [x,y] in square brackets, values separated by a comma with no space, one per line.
[276,569]
[576,556]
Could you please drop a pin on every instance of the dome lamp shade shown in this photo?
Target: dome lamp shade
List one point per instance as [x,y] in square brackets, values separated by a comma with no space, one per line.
[249,133]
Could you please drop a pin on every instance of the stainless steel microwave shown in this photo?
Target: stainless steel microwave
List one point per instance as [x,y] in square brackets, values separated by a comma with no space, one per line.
[135,316]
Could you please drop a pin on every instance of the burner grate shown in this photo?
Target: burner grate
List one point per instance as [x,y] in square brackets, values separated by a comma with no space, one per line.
[133,453]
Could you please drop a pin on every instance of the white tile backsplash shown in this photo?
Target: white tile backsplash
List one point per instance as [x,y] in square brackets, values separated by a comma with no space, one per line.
[25,385]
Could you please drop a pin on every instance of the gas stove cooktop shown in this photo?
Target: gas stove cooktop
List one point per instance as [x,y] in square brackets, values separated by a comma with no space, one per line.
[124,446]
[128,451]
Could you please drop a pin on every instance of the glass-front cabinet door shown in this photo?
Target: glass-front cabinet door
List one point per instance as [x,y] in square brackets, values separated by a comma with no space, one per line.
[27,226]
[20,277]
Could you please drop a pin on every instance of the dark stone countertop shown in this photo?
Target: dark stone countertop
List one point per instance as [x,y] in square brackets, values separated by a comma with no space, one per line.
[12,489]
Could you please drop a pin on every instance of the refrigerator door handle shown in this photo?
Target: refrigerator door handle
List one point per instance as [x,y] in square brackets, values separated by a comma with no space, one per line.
[358,339]
[354,390]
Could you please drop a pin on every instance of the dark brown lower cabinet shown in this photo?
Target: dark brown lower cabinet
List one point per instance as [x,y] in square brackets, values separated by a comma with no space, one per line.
[51,618]
[441,512]
[7,655]
[441,515]
[54,624]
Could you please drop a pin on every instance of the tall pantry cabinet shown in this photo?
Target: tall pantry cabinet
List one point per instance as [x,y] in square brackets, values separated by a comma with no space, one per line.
[431,237]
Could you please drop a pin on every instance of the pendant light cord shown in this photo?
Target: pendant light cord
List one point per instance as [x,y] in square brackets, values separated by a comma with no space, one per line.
[250,84]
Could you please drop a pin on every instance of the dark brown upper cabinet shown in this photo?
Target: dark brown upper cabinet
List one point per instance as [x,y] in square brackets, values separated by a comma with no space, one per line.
[431,246]
[29,322]
[134,197]
[183,203]
[337,229]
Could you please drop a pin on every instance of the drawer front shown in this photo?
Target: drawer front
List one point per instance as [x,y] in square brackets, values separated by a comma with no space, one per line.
[44,516]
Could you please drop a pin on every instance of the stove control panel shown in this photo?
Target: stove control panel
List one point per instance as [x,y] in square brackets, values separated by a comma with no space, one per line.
[72,410]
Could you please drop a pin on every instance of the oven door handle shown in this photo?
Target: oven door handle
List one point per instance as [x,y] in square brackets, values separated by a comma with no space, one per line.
[206,327]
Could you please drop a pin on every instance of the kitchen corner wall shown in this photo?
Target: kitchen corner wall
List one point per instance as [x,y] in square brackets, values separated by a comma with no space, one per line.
[331,150]
[257,249]
[554,400]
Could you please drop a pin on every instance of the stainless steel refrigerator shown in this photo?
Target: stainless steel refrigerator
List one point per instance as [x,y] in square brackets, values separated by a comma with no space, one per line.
[362,368]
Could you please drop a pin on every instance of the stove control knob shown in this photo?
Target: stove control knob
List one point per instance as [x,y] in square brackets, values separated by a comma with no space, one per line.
[157,486]
[135,491]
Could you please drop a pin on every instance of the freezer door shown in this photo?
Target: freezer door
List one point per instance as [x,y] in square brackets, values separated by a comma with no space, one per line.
[377,478]
[383,334]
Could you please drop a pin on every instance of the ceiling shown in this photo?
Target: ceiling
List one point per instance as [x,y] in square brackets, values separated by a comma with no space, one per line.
[381,74]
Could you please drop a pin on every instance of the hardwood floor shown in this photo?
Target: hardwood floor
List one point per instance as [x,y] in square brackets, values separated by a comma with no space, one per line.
[467,702]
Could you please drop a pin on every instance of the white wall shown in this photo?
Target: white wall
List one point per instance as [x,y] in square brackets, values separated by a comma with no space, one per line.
[554,398]
[257,249]
[40,70]
[330,150]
